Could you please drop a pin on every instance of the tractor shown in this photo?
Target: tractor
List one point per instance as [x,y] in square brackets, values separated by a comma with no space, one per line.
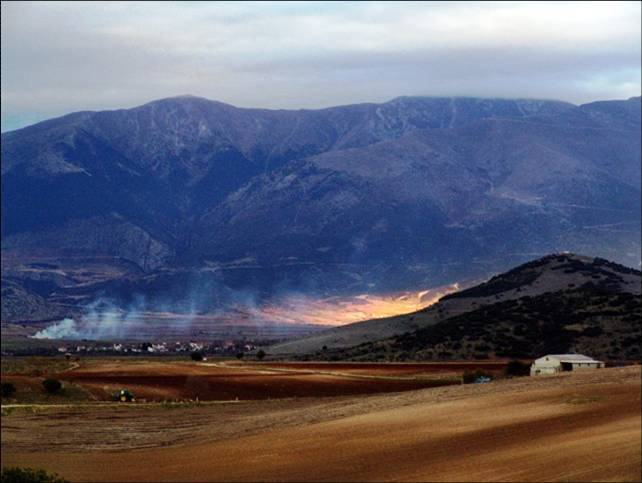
[125,395]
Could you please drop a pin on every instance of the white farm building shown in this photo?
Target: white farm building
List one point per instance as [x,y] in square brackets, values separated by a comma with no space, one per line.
[554,363]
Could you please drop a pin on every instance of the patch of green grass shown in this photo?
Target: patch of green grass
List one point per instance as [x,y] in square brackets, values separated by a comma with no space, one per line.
[69,393]
[7,411]
[20,409]
[16,474]
[584,399]
[35,365]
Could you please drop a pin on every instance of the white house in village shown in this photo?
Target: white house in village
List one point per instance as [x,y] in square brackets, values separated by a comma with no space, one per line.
[555,363]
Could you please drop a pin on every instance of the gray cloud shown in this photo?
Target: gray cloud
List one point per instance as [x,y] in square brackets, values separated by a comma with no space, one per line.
[63,56]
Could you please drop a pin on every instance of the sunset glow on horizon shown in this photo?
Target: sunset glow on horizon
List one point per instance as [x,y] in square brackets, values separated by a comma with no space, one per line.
[335,311]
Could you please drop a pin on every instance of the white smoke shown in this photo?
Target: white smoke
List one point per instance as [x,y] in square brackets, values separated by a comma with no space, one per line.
[102,320]
[65,329]
[105,319]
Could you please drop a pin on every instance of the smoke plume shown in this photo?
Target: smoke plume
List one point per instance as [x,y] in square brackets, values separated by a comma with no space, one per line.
[104,319]
[65,329]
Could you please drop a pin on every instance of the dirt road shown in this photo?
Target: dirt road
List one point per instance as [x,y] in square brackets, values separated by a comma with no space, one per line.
[574,427]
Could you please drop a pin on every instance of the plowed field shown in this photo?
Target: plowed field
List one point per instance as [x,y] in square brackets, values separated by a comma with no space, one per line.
[572,427]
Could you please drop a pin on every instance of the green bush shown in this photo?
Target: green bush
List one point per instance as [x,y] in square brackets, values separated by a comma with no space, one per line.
[52,386]
[260,354]
[517,369]
[196,356]
[27,475]
[8,389]
[239,355]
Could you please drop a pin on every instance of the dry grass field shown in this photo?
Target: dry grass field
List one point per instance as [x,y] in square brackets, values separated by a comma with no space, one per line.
[572,427]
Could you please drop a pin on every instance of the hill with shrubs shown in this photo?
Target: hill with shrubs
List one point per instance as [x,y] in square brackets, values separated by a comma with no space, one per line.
[557,304]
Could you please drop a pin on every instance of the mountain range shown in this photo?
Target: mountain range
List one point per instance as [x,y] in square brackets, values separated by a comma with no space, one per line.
[186,194]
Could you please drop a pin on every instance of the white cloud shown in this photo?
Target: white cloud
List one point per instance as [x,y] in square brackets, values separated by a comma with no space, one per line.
[64,56]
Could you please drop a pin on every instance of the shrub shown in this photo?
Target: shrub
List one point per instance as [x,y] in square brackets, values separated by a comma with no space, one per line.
[27,475]
[517,368]
[260,354]
[470,377]
[592,331]
[8,389]
[196,356]
[239,355]
[52,386]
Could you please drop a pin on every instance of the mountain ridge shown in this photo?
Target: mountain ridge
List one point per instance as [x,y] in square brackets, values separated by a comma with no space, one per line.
[402,98]
[179,97]
[369,197]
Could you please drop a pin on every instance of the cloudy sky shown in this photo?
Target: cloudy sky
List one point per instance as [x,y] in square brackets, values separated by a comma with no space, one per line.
[59,57]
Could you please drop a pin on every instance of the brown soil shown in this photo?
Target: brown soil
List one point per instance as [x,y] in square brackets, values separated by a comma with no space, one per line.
[165,381]
[572,427]
[390,369]
[243,387]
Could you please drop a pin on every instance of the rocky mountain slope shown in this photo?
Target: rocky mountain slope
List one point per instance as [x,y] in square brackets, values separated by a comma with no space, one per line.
[372,197]
[555,304]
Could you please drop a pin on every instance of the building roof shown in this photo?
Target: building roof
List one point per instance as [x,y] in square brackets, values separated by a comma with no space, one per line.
[572,358]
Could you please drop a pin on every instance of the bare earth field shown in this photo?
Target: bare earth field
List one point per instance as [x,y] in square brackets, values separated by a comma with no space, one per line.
[161,380]
[572,427]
